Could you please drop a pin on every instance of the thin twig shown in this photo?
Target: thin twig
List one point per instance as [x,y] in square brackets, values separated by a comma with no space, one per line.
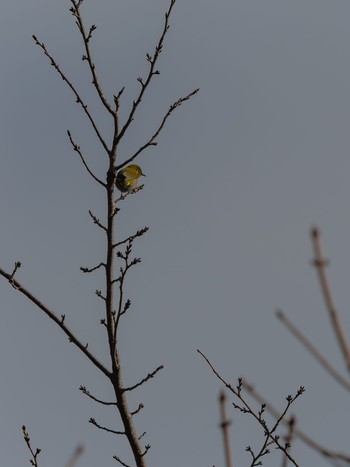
[77,149]
[18,264]
[97,221]
[87,393]
[120,461]
[225,423]
[144,380]
[320,264]
[139,408]
[312,349]
[109,430]
[88,270]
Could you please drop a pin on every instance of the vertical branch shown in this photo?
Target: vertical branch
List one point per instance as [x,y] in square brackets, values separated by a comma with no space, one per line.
[225,423]
[320,264]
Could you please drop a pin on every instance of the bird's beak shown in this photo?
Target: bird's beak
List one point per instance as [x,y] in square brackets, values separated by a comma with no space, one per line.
[143,175]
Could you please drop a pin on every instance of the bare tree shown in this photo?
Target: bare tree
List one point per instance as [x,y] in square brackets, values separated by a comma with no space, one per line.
[244,388]
[119,257]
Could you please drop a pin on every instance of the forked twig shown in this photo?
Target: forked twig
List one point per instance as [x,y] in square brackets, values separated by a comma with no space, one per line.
[321,449]
[34,459]
[269,433]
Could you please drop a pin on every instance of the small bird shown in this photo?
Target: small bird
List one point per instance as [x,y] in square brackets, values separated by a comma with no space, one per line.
[127,178]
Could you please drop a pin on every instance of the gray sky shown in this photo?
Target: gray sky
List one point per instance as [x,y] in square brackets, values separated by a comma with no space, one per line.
[237,179]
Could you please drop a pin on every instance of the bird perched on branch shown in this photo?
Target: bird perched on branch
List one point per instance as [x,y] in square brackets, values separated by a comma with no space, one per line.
[127,178]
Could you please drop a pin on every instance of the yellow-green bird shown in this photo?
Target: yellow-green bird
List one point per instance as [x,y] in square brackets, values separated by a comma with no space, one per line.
[127,178]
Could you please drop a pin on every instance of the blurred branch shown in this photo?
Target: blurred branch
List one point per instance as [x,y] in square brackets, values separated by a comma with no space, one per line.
[225,423]
[312,349]
[320,263]
[75,456]
[289,439]
[58,321]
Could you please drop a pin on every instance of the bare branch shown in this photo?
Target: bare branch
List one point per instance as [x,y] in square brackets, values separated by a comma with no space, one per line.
[152,71]
[75,10]
[144,380]
[312,349]
[320,264]
[75,92]
[34,459]
[109,430]
[77,149]
[57,320]
[151,141]
[225,423]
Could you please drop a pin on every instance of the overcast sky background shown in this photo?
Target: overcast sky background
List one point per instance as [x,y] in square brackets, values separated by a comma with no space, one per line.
[239,176]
